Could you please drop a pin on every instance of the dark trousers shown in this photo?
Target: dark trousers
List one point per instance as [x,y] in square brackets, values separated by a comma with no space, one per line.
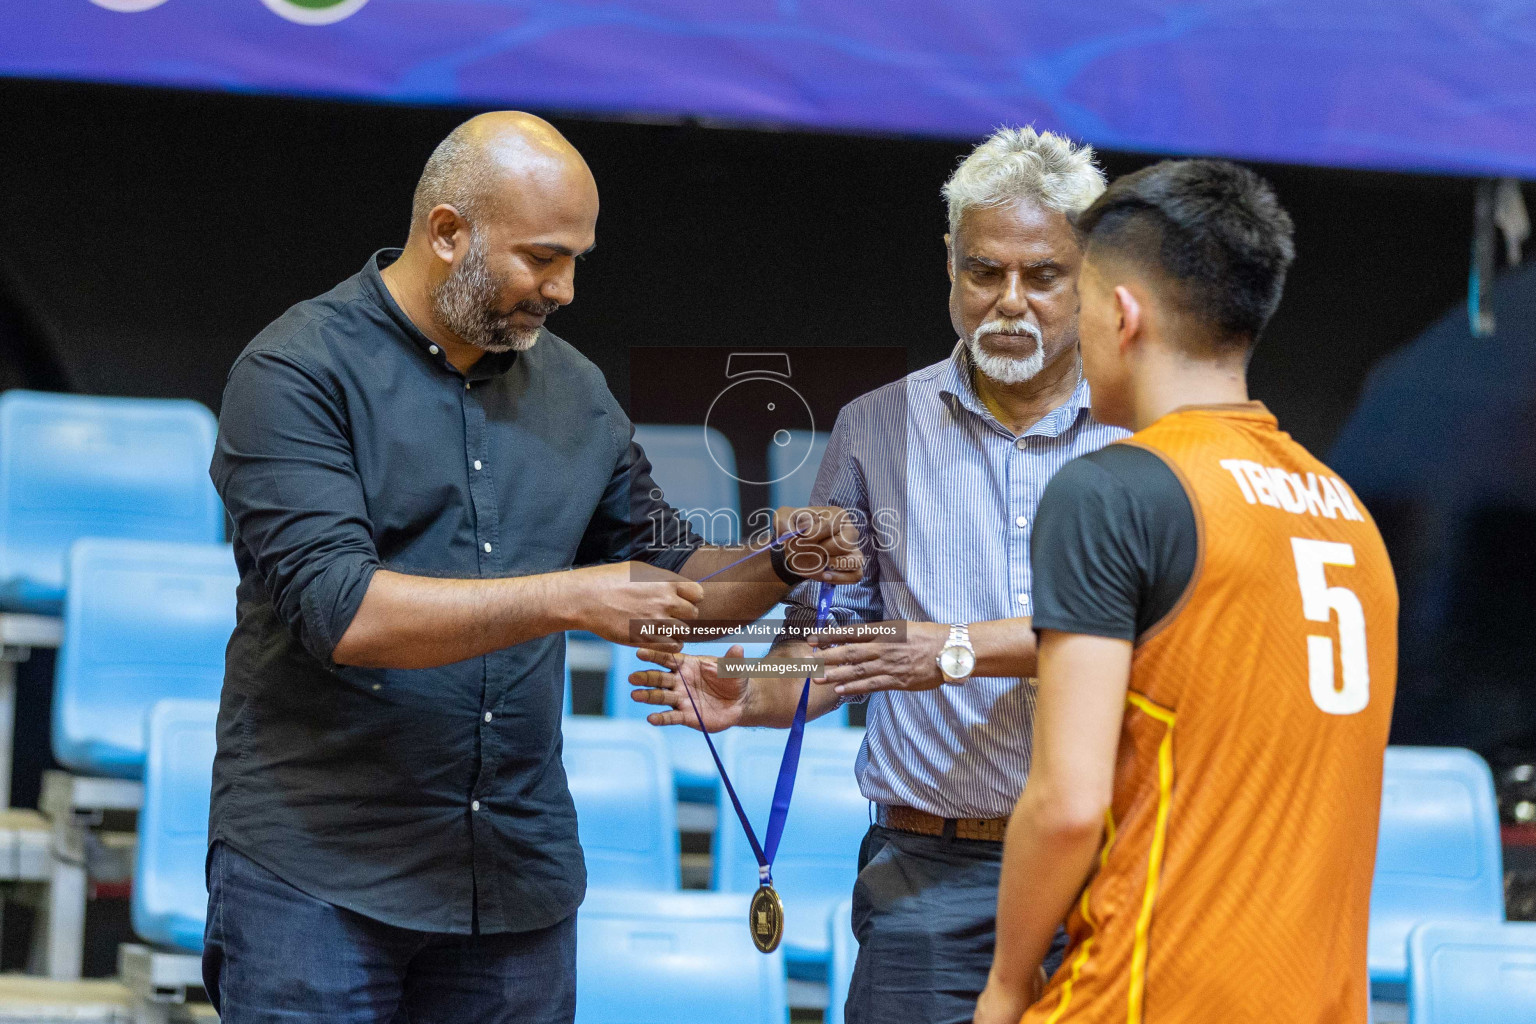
[273,953]
[925,915]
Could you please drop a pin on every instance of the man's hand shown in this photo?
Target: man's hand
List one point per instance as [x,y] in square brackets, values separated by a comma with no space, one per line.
[722,702]
[1001,1005]
[859,667]
[827,547]
[604,599]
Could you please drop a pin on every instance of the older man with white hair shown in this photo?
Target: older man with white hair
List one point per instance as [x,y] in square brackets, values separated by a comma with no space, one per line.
[946,466]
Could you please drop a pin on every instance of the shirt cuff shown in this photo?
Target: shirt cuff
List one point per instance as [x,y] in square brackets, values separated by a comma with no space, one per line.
[672,557]
[330,603]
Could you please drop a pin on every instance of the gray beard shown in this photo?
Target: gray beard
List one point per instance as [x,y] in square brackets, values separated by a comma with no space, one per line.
[1006,369]
[465,305]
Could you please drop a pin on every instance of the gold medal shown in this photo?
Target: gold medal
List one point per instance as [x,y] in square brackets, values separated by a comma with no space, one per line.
[766,919]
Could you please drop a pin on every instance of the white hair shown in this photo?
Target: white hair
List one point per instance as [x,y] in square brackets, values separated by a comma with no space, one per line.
[1021,165]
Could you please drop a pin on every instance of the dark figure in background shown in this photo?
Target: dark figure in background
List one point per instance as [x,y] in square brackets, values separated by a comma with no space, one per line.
[414,465]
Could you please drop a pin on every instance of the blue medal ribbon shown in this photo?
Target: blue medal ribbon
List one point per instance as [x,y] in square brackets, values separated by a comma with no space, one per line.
[785,787]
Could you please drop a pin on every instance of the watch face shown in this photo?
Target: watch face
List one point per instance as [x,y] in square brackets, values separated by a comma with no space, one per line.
[957,662]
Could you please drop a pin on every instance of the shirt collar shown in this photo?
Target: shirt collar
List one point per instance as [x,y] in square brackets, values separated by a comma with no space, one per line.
[958,386]
[487,366]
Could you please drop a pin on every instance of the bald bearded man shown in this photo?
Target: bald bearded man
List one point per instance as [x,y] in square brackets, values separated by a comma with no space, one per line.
[413,465]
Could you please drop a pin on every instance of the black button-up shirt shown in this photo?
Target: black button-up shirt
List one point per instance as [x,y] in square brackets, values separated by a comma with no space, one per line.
[431,799]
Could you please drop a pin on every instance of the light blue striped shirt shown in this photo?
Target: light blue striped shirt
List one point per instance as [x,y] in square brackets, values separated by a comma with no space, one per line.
[950,496]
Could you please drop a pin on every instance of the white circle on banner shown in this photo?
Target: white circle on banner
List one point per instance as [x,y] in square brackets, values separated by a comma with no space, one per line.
[314,12]
[128,6]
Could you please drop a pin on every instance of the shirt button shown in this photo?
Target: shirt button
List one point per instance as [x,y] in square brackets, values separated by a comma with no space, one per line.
[1023,599]
[1021,522]
[487,547]
[466,388]
[474,805]
[433,349]
[1018,442]
[477,463]
[487,716]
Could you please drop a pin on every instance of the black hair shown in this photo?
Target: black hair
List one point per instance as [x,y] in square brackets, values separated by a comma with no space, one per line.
[1212,228]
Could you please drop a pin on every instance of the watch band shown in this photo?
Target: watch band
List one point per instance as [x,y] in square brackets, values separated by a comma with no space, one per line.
[780,562]
[959,636]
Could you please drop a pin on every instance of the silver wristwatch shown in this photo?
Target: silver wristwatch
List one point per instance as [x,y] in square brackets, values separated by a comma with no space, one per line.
[957,658]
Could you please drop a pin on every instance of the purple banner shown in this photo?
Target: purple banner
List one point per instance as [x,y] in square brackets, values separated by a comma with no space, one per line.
[1399,84]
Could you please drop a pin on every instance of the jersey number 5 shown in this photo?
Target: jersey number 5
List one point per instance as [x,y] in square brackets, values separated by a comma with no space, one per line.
[1319,603]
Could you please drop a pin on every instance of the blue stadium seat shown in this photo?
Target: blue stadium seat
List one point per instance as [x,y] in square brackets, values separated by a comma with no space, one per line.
[626,810]
[170,895]
[673,958]
[694,480]
[144,621]
[76,466]
[845,950]
[694,769]
[1437,856]
[790,485]
[818,857]
[1465,972]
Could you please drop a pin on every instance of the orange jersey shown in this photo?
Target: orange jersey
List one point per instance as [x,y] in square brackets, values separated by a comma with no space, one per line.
[1234,880]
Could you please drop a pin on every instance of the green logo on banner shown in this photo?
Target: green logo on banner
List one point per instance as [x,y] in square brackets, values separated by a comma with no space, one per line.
[314,12]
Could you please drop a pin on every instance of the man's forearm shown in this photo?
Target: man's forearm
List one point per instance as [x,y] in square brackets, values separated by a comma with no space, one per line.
[739,595]
[772,702]
[1058,824]
[421,622]
[1047,857]
[1004,647]
[819,539]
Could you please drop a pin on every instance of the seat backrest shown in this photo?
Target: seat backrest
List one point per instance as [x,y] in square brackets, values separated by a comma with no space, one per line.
[626,660]
[1467,972]
[673,958]
[626,811]
[76,466]
[695,467]
[567,710]
[845,950]
[1438,853]
[144,621]
[170,895]
[828,816]
[792,471]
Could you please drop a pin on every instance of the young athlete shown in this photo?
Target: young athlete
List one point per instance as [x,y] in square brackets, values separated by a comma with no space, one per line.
[1217,623]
